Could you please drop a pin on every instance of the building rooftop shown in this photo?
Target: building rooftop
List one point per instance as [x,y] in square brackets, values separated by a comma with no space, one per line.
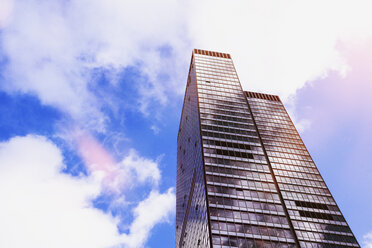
[262,96]
[211,53]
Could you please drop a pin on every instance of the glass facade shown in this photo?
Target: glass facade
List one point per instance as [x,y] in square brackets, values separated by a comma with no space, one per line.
[244,177]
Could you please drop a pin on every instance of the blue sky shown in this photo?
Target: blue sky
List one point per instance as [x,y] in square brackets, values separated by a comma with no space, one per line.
[91,95]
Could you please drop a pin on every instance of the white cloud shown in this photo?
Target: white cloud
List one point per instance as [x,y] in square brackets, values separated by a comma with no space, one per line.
[5,12]
[42,207]
[149,212]
[278,46]
[140,168]
[367,240]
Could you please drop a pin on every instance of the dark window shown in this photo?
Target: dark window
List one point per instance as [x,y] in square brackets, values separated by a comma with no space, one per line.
[311,205]
[234,154]
[316,215]
[228,144]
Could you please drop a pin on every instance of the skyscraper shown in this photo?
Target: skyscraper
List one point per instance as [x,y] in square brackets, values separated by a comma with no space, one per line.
[244,176]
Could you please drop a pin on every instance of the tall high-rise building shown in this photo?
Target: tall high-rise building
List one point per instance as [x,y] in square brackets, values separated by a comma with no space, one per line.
[244,176]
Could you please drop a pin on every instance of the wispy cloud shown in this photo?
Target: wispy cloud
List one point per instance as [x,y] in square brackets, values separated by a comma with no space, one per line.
[367,240]
[53,47]
[277,47]
[117,176]
[340,96]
